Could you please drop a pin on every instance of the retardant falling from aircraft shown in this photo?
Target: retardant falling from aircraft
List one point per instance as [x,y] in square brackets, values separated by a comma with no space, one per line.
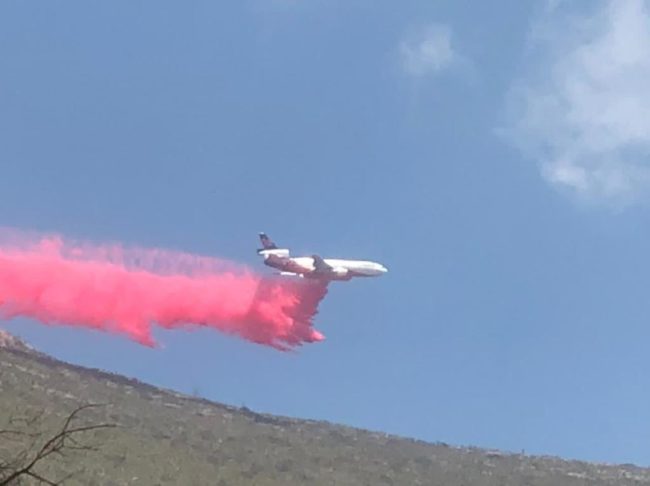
[127,290]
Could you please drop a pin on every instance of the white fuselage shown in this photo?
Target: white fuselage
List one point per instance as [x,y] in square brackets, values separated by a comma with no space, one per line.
[337,269]
[358,268]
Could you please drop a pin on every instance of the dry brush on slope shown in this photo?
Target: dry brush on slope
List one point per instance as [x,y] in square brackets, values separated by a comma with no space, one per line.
[25,450]
[169,438]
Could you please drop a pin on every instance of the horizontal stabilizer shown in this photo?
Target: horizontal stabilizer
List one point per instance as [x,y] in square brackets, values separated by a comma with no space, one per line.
[276,252]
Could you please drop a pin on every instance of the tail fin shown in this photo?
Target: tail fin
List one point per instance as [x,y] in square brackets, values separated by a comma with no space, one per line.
[267,244]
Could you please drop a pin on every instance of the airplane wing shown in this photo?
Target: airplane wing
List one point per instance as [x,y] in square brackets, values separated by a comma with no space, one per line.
[320,266]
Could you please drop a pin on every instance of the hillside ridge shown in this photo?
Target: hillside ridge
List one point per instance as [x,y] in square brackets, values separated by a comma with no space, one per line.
[208,439]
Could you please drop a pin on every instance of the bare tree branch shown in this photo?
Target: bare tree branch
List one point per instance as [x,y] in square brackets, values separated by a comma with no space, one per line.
[65,439]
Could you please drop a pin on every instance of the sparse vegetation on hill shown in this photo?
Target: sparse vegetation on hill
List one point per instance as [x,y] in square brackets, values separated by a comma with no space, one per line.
[169,438]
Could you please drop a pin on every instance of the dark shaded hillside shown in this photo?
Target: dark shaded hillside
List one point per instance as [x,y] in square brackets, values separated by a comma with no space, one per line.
[169,438]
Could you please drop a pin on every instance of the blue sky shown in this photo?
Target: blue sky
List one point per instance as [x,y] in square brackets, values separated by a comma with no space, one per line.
[494,157]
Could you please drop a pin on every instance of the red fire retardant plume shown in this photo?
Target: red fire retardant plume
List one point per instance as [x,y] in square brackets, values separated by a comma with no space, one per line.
[115,289]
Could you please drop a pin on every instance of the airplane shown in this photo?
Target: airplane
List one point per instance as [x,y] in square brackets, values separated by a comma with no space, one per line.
[315,267]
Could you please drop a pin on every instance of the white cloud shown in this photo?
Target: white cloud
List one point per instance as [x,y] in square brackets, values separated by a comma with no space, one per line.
[427,51]
[583,110]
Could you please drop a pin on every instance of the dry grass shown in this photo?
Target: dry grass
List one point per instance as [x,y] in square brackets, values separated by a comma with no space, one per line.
[169,438]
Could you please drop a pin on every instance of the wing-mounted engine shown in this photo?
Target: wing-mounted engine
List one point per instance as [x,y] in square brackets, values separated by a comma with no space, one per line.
[291,274]
[341,273]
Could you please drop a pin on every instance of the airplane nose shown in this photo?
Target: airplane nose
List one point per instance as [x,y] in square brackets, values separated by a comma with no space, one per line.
[383,269]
